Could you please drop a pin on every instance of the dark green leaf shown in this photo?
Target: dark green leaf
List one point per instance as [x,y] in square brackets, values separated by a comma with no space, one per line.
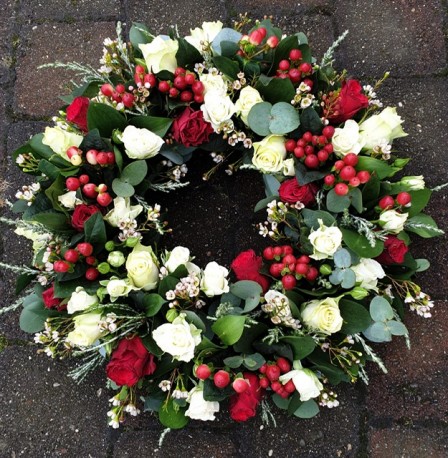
[64,289]
[93,140]
[95,231]
[356,317]
[234,362]
[227,66]
[54,221]
[381,168]
[423,225]
[229,328]
[104,118]
[139,34]
[275,90]
[419,201]
[166,284]
[283,49]
[263,203]
[134,173]
[308,409]
[360,245]
[193,317]
[249,336]
[171,416]
[337,203]
[371,192]
[355,197]
[48,169]
[153,303]
[301,346]
[187,55]
[156,125]
[41,150]
[305,176]
[212,393]
[310,120]
[122,189]
[34,314]
[23,280]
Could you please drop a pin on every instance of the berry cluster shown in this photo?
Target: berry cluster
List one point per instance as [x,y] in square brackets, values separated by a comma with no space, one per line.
[290,268]
[313,150]
[403,199]
[270,377]
[185,87]
[118,94]
[256,42]
[221,378]
[144,79]
[345,170]
[93,157]
[90,190]
[71,256]
[294,69]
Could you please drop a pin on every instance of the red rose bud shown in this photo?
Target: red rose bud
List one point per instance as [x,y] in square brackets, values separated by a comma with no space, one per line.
[203,372]
[246,267]
[50,301]
[81,214]
[291,192]
[190,128]
[130,362]
[350,101]
[394,251]
[77,112]
[221,379]
[244,405]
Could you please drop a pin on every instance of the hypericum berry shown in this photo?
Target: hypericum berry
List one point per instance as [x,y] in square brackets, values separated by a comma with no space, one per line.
[150,79]
[307,136]
[179,71]
[295,75]
[289,281]
[312,161]
[221,379]
[312,274]
[102,158]
[120,88]
[301,269]
[341,189]
[203,372]
[197,87]
[173,92]
[190,78]
[264,382]
[61,266]
[276,269]
[179,82]
[186,96]
[84,179]
[289,259]
[350,159]
[322,155]
[110,157]
[339,164]
[268,253]
[273,372]
[240,385]
[363,176]
[263,368]
[309,149]
[276,386]
[72,183]
[73,151]
[255,38]
[278,251]
[329,180]
[104,199]
[290,145]
[328,131]
[284,65]
[295,54]
[304,259]
[284,365]
[305,67]
[71,255]
[76,160]
[354,182]
[328,148]
[283,393]
[272,41]
[91,260]
[107,90]
[85,248]
[89,190]
[92,274]
[347,173]
[198,98]
[287,249]
[403,198]
[164,86]
[289,387]
[91,156]
[386,202]
[128,100]
[299,152]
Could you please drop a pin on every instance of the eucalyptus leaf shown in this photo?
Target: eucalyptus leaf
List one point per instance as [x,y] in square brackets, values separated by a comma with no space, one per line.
[380,309]
[378,332]
[283,118]
[259,118]
[348,279]
[122,189]
[396,328]
[171,416]
[342,258]
[308,409]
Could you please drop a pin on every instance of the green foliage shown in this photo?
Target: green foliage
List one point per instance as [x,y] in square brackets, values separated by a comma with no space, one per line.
[360,245]
[153,303]
[95,231]
[34,314]
[139,34]
[279,119]
[155,124]
[104,118]
[423,225]
[275,90]
[172,416]
[356,317]
[229,328]
[249,291]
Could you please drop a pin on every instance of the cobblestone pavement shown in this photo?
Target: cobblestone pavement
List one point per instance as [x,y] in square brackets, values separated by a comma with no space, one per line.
[403,414]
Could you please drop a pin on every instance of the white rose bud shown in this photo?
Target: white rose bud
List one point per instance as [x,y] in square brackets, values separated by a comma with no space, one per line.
[214,281]
[305,381]
[160,54]
[87,329]
[269,154]
[323,315]
[367,272]
[69,200]
[199,408]
[142,268]
[116,258]
[325,241]
[289,167]
[59,140]
[392,221]
[178,256]
[217,109]
[347,139]
[122,210]
[413,183]
[248,98]
[80,300]
[141,143]
[117,287]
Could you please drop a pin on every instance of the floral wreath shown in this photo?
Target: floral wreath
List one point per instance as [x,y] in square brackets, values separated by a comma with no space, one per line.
[294,322]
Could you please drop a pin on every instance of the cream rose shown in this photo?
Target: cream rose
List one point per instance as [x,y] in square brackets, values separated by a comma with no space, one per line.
[383,126]
[69,200]
[413,183]
[80,300]
[199,408]
[142,268]
[141,143]
[392,221]
[179,338]
[213,82]
[248,98]
[122,210]
[118,287]
[214,281]
[305,381]
[289,167]
[325,240]
[206,34]
[160,54]
[323,315]
[87,330]
[347,139]
[217,109]
[269,154]
[367,272]
[59,140]
[177,257]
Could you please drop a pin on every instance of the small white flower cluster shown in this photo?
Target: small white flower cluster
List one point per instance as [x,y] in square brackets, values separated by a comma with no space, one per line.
[108,323]
[277,306]
[165,385]
[421,304]
[187,288]
[154,212]
[179,172]
[329,400]
[128,228]
[218,158]
[132,410]
[239,83]
[114,420]
[48,337]
[28,193]
[199,68]
[371,94]
[237,137]
[303,97]
[179,394]
[383,148]
[276,211]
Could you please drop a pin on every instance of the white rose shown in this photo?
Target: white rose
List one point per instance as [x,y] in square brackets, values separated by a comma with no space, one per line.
[142,268]
[87,329]
[289,167]
[413,183]
[383,126]
[367,272]
[69,200]
[160,54]
[206,35]
[199,408]
[323,315]
[176,258]
[269,154]
[248,98]
[213,82]
[59,140]
[122,210]
[117,287]
[80,300]
[178,338]
[348,139]
[217,109]
[214,281]
[305,381]
[392,221]
[141,143]
[325,241]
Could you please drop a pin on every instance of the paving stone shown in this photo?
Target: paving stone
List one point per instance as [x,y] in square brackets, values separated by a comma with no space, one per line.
[44,413]
[69,11]
[159,16]
[256,9]
[417,378]
[6,39]
[49,43]
[404,37]
[408,442]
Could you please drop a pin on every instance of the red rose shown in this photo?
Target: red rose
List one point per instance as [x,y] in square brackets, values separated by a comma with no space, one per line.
[130,362]
[77,112]
[244,405]
[190,128]
[81,214]
[246,267]
[350,101]
[50,301]
[290,191]
[394,251]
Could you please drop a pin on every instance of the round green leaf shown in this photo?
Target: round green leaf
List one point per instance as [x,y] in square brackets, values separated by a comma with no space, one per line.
[172,416]
[153,303]
[308,409]
[378,332]
[122,189]
[283,118]
[396,328]
[380,309]
[229,328]
[356,317]
[360,245]
[259,118]
[348,279]
[342,258]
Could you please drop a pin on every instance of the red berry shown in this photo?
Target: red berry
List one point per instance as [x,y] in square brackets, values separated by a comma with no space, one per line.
[295,54]
[312,161]
[173,92]
[308,82]
[128,100]
[262,31]
[354,182]
[289,281]
[276,269]
[283,393]
[164,86]
[309,149]
[92,274]
[386,202]
[89,190]
[61,266]
[312,274]
[151,79]
[104,199]
[289,387]
[116,97]
[304,259]
[305,67]
[263,368]
[91,156]
[276,386]
[363,176]
[322,140]
[73,151]
[198,98]
[301,269]
[264,382]
[120,88]
[290,145]
[107,90]
[268,253]
[240,385]
[221,379]
[284,65]
[289,259]
[71,256]
[307,136]
[328,148]
[347,173]
[287,249]
[256,37]
[299,152]
[339,164]
[328,131]
[190,78]
[403,198]
[272,41]
[350,159]
[329,180]
[110,157]
[186,96]
[284,365]
[203,372]
[322,155]
[85,248]
[91,260]
[102,158]
[84,179]
[72,183]
[341,189]
[295,75]
[273,372]
[179,82]
[278,251]
[179,71]
[198,87]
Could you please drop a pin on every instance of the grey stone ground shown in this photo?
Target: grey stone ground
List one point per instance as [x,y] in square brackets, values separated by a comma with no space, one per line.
[403,414]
